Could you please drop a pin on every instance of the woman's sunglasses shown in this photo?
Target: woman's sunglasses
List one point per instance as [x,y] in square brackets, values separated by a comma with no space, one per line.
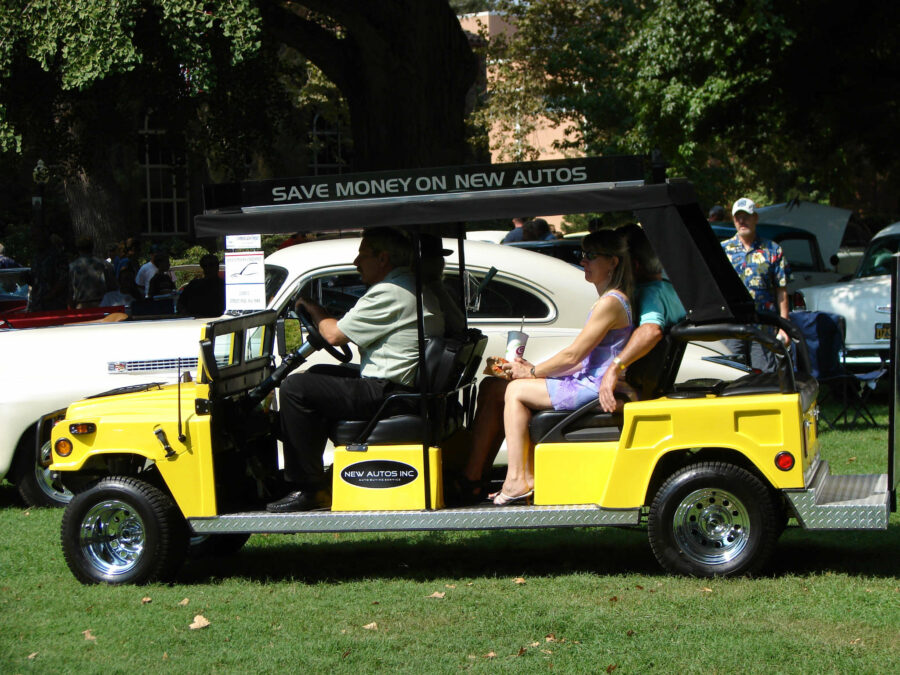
[591,255]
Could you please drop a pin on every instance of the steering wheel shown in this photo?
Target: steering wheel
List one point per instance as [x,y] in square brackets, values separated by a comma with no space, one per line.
[342,353]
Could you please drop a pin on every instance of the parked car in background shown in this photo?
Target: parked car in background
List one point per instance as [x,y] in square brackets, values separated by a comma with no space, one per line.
[864,301]
[841,238]
[567,250]
[52,367]
[13,289]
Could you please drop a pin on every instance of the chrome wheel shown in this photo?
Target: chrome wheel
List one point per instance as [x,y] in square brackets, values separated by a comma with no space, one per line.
[711,526]
[713,519]
[47,481]
[112,537]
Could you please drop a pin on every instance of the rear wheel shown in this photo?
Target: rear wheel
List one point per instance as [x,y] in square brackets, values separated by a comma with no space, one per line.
[123,531]
[713,519]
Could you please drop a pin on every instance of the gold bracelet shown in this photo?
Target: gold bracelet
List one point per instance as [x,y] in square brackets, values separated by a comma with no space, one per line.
[618,363]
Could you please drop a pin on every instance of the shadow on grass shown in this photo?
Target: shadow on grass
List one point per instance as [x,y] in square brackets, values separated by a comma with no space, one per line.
[426,556]
[9,496]
[603,551]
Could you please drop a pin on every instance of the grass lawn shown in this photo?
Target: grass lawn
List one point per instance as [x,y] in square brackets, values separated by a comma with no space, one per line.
[571,601]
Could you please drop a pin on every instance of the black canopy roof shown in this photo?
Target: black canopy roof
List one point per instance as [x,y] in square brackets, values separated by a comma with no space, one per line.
[703,277]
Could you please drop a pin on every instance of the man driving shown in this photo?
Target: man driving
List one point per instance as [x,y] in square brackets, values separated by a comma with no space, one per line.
[382,324]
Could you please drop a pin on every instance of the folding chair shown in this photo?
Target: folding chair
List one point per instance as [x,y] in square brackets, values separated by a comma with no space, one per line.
[824,336]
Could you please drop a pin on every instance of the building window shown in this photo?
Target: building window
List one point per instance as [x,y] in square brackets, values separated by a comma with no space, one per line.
[326,146]
[164,207]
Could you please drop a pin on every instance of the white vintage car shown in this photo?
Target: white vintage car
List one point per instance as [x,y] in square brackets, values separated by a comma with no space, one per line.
[45,369]
[864,301]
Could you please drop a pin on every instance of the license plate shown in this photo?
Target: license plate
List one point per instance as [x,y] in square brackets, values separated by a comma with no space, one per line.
[882,331]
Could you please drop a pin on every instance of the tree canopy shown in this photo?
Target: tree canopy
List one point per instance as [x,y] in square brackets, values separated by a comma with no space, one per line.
[777,99]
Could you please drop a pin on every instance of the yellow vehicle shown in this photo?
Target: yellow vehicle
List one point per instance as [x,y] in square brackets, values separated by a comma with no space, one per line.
[713,469]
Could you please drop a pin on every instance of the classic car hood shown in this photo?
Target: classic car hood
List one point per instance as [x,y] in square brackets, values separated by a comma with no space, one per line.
[828,223]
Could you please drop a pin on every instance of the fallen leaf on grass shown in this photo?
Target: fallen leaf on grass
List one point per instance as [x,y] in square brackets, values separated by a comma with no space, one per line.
[535,644]
[371,626]
[146,601]
[375,602]
[439,595]
[629,632]
[521,651]
[639,587]
[88,635]
[200,621]
[851,459]
[519,580]
[614,599]
[165,656]
[449,585]
[611,667]
[706,589]
[345,654]
[27,513]
[184,603]
[546,651]
[856,641]
[491,655]
[550,637]
[32,656]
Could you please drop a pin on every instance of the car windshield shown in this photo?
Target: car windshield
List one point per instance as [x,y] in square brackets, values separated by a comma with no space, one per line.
[877,259]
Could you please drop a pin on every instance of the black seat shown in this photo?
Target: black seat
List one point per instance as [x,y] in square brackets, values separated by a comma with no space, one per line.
[588,423]
[450,368]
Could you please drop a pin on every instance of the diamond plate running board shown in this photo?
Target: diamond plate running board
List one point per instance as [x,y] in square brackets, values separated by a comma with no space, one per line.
[845,502]
[471,518]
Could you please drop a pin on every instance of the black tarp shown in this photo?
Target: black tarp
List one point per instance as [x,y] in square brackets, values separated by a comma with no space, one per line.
[702,276]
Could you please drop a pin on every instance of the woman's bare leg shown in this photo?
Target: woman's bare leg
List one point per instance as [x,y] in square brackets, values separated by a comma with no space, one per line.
[487,427]
[522,397]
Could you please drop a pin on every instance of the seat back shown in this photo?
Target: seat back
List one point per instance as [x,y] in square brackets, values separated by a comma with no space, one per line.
[650,374]
[823,333]
[449,364]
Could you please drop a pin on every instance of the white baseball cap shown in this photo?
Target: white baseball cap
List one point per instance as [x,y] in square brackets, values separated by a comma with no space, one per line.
[744,204]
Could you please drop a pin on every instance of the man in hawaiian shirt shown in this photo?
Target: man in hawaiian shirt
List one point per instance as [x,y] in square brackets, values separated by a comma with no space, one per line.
[762,267]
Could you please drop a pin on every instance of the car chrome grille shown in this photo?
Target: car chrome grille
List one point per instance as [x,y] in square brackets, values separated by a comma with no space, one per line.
[150,365]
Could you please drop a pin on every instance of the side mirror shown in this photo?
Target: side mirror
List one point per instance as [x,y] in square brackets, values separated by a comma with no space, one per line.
[280,341]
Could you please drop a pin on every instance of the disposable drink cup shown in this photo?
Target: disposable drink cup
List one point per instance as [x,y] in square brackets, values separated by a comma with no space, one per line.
[515,344]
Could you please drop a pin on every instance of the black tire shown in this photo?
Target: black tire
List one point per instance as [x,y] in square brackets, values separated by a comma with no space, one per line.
[37,485]
[123,531]
[713,519]
[216,545]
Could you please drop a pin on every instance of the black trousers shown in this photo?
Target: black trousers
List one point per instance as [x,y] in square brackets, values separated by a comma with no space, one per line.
[310,403]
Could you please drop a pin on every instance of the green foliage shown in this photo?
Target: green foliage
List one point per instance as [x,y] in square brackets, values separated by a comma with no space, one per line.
[773,98]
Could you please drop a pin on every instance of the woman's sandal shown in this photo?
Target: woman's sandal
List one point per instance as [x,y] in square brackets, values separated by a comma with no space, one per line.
[503,499]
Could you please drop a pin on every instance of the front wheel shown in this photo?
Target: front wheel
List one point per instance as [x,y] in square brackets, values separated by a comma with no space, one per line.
[713,519]
[38,486]
[123,531]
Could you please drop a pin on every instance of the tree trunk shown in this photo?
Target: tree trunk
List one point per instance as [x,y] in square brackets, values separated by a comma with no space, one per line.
[405,68]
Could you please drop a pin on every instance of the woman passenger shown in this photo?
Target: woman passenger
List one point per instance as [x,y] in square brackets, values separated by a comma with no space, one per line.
[572,377]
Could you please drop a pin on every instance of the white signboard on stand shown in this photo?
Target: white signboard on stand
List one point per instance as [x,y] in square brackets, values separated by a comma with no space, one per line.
[245,280]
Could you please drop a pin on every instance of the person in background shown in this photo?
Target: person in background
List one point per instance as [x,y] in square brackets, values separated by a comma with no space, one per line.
[127,291]
[516,233]
[658,309]
[162,282]
[433,254]
[762,267]
[537,229]
[204,296]
[5,261]
[716,214]
[49,276]
[89,277]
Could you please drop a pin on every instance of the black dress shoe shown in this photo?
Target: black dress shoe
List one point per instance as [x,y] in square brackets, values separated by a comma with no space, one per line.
[302,500]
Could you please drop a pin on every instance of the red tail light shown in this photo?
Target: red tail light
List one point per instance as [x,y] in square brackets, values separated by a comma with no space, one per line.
[799,300]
